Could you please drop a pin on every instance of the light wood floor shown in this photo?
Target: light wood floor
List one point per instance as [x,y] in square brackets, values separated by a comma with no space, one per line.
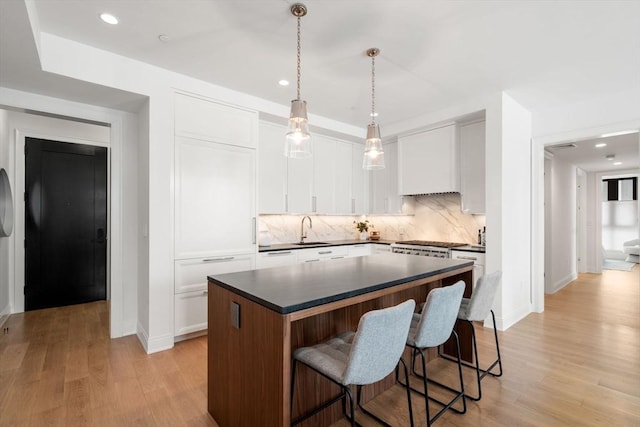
[576,364]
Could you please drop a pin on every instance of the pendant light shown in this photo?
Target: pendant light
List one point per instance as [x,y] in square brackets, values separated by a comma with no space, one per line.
[373,153]
[298,140]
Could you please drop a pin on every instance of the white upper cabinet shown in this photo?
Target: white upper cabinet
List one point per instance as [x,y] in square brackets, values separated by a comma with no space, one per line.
[272,169]
[300,185]
[214,199]
[384,197]
[324,174]
[342,178]
[472,167]
[359,181]
[428,162]
[202,119]
[322,184]
[331,176]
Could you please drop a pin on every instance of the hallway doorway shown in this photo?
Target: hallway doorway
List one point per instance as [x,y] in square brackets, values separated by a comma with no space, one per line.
[65,223]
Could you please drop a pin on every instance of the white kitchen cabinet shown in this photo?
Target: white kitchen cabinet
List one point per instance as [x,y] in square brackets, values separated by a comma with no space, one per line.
[276,259]
[300,185]
[331,176]
[191,274]
[359,181]
[272,169]
[214,199]
[384,195]
[342,185]
[322,254]
[478,259]
[321,184]
[190,285]
[203,119]
[428,162]
[324,171]
[472,167]
[190,312]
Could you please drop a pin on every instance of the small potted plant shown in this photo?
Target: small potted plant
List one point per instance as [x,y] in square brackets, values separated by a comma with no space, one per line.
[363,227]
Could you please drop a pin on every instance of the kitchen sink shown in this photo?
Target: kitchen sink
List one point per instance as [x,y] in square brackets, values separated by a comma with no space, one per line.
[311,243]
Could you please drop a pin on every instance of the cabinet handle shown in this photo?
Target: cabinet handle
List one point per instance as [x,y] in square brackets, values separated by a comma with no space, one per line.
[205,292]
[313,204]
[312,260]
[467,257]
[278,253]
[227,258]
[337,257]
[386,205]
[353,205]
[253,230]
[325,252]
[286,203]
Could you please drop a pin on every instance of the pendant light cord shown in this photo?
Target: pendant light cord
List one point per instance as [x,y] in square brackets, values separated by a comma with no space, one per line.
[373,89]
[298,70]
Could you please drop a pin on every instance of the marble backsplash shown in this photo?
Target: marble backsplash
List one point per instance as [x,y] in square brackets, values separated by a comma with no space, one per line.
[436,217]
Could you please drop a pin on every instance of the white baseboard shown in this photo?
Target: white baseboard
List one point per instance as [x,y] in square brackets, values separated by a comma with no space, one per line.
[143,337]
[155,344]
[562,283]
[514,317]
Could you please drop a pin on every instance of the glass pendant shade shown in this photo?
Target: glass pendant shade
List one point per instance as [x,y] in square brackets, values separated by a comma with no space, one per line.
[298,141]
[373,152]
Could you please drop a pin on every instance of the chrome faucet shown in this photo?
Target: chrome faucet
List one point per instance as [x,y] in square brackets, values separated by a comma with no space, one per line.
[303,235]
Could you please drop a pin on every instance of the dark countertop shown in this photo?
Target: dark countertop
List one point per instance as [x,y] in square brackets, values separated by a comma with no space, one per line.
[324,243]
[296,287]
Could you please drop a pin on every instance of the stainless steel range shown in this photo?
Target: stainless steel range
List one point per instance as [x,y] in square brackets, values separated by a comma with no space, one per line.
[425,248]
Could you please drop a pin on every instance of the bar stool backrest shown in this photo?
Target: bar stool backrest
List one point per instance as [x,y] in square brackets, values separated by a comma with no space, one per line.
[439,314]
[482,297]
[378,344]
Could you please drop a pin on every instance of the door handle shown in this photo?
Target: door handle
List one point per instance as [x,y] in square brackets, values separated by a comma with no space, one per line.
[100,236]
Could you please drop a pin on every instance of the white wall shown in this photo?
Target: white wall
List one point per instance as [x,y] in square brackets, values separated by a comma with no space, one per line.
[516,297]
[123,202]
[5,282]
[563,225]
[143,223]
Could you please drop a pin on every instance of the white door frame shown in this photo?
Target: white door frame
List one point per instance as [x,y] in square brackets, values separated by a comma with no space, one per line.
[537,219]
[20,136]
[56,107]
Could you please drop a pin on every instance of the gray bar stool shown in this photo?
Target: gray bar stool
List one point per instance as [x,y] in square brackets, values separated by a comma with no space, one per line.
[430,329]
[477,308]
[360,358]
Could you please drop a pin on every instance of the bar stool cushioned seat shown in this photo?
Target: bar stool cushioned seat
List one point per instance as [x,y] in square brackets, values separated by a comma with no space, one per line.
[360,358]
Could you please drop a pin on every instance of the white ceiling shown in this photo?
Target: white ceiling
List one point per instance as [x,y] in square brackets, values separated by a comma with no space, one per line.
[585,154]
[434,54]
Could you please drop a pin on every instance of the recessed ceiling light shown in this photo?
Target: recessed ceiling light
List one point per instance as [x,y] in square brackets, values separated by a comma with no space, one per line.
[109,18]
[617,163]
[600,145]
[163,38]
[283,82]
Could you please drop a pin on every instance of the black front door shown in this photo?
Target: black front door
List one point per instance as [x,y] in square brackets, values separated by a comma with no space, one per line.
[65,223]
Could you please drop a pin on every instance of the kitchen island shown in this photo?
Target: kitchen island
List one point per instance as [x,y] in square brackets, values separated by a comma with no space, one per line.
[258,318]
